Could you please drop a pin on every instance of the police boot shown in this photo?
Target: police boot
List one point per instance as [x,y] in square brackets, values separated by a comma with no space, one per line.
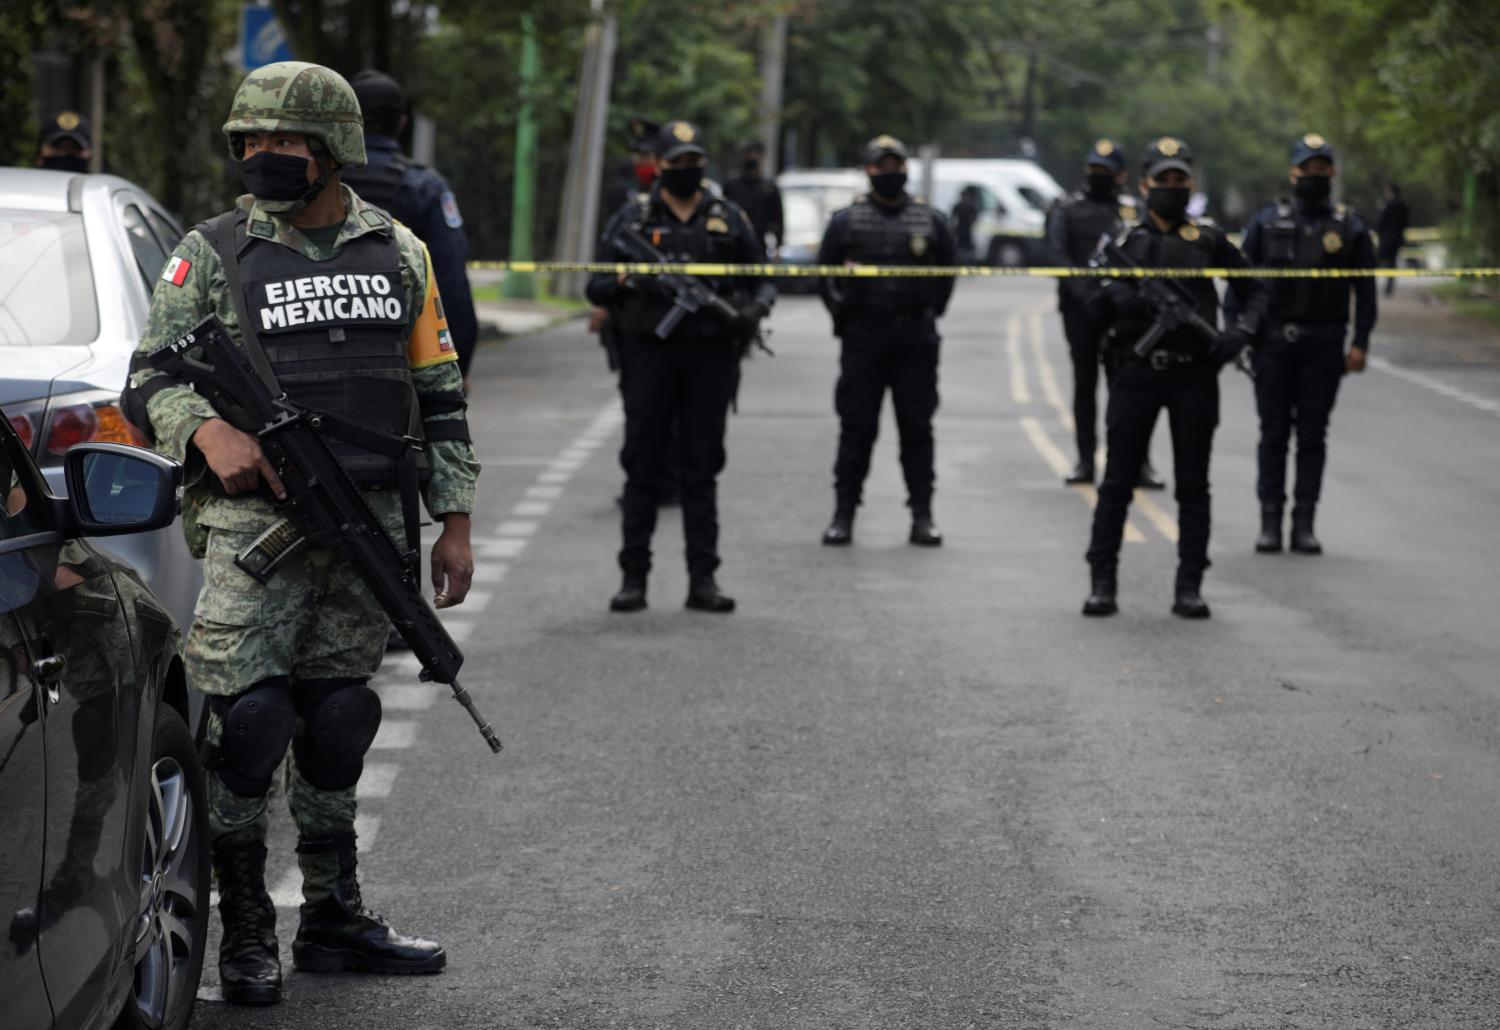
[249,963]
[924,532]
[1189,601]
[1148,479]
[1303,539]
[840,532]
[631,596]
[1082,473]
[704,595]
[338,934]
[1269,541]
[1102,588]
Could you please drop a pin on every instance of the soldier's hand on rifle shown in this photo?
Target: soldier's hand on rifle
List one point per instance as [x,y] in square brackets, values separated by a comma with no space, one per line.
[452,562]
[236,458]
[749,317]
[1230,344]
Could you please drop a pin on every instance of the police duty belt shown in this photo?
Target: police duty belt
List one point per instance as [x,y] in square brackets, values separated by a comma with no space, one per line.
[775,271]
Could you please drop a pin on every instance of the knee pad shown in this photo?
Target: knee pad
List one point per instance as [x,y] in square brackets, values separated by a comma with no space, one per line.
[256,728]
[339,720]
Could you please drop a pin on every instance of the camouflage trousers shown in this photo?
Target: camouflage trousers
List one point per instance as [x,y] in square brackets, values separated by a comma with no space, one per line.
[314,620]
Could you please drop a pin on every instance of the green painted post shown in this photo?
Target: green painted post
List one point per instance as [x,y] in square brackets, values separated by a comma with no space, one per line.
[523,197]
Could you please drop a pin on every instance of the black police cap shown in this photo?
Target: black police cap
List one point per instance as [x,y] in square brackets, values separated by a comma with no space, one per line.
[1106,153]
[68,125]
[643,135]
[1165,154]
[677,138]
[378,92]
[1310,146]
[884,146]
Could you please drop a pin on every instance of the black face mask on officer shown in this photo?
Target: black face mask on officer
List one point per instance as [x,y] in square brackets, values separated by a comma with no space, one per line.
[888,184]
[1101,185]
[279,181]
[682,182]
[1170,202]
[1313,190]
[66,163]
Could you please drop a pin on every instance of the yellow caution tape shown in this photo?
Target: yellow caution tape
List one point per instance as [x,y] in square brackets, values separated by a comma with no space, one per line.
[711,269]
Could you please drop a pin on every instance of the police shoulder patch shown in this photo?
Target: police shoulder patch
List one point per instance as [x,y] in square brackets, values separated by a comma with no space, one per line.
[716,224]
[1333,241]
[451,217]
[1189,231]
[919,245]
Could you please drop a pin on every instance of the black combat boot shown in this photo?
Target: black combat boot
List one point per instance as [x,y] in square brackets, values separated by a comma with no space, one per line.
[1189,601]
[1304,541]
[1148,479]
[704,595]
[840,532]
[338,934]
[1269,541]
[924,532]
[631,596]
[1082,473]
[1103,585]
[249,963]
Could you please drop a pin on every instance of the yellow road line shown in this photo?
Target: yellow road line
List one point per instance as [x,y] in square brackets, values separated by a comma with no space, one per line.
[1054,456]
[1019,391]
[1158,516]
[1046,374]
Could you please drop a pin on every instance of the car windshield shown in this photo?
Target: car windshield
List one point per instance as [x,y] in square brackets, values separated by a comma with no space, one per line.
[1035,197]
[46,287]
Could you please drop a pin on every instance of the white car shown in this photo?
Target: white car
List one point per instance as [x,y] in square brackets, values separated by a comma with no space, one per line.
[1014,197]
[79,258]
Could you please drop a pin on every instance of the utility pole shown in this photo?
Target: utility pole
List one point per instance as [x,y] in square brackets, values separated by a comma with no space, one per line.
[523,195]
[578,221]
[772,79]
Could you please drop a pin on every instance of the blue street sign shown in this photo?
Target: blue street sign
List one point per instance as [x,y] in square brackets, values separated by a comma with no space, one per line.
[262,40]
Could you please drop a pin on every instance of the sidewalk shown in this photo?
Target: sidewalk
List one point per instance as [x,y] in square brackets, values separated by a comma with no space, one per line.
[500,317]
[1416,327]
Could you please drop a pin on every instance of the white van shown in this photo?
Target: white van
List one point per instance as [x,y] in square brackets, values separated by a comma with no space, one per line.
[1014,197]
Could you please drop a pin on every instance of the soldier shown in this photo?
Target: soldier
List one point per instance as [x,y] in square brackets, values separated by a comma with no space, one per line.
[1180,373]
[344,306]
[686,380]
[888,330]
[1300,357]
[1074,228]
[65,144]
[758,196]
[418,198]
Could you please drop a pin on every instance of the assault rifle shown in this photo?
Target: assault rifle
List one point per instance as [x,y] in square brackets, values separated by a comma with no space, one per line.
[690,294]
[323,505]
[1172,308]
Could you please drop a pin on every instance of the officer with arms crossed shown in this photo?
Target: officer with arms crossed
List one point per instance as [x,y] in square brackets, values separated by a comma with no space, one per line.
[1180,373]
[1300,357]
[1074,227]
[686,380]
[418,198]
[888,330]
[344,307]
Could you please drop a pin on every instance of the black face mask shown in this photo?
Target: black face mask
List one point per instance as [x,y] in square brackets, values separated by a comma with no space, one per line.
[66,163]
[888,184]
[271,176]
[752,169]
[1101,185]
[681,182]
[1170,202]
[1314,190]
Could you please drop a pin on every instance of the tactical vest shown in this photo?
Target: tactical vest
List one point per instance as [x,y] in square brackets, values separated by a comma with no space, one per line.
[1308,239]
[378,184]
[708,237]
[1189,245]
[1087,219]
[335,334]
[875,238]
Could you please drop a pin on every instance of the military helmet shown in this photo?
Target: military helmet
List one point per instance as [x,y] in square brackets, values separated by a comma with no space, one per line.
[294,96]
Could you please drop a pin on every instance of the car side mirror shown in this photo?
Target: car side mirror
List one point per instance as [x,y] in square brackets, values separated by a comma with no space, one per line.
[115,489]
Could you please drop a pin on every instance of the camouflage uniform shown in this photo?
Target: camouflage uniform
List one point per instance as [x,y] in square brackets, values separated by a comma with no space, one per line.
[315,618]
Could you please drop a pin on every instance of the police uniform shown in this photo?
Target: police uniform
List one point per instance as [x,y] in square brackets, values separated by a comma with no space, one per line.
[1299,357]
[889,340]
[1180,375]
[1074,229]
[350,320]
[758,196]
[685,381]
[418,198]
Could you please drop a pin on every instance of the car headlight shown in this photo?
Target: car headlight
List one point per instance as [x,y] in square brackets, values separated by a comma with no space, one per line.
[93,416]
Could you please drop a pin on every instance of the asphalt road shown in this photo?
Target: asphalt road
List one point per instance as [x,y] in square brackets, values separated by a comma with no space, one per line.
[910,788]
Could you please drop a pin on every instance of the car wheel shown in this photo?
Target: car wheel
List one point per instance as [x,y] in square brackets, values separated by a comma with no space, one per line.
[1007,253]
[171,927]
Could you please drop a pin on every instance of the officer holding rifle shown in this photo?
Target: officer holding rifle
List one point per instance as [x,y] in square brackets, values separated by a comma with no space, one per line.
[682,341]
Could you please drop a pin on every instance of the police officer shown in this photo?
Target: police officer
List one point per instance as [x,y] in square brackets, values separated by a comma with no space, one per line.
[65,145]
[1300,357]
[1179,374]
[1074,228]
[418,198]
[286,664]
[888,330]
[758,196]
[638,173]
[686,380]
